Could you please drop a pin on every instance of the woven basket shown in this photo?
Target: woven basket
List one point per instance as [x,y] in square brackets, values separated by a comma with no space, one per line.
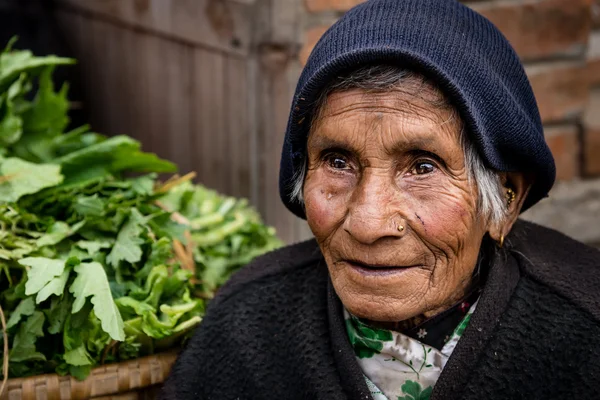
[129,380]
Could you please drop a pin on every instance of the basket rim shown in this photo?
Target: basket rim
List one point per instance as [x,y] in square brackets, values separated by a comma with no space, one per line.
[162,361]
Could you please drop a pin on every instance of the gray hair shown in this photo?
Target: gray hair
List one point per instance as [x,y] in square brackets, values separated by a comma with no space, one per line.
[491,203]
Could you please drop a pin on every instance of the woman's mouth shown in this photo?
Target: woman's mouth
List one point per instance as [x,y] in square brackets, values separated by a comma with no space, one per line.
[377,269]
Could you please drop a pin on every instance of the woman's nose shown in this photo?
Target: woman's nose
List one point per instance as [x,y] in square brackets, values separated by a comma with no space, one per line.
[374,212]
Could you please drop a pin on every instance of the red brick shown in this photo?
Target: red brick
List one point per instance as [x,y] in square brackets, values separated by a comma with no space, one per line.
[561,90]
[311,37]
[593,72]
[596,14]
[591,136]
[564,144]
[593,58]
[541,29]
[331,5]
[591,151]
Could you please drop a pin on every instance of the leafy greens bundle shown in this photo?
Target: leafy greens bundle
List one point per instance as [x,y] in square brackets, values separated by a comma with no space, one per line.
[96,265]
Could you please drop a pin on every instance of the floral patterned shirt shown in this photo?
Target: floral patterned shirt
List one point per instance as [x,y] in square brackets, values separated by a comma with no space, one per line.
[400,367]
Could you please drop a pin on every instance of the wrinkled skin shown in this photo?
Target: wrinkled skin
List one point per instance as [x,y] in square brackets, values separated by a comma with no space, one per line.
[380,161]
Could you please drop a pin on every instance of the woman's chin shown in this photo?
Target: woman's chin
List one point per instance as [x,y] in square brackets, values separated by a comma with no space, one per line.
[379,308]
[382,299]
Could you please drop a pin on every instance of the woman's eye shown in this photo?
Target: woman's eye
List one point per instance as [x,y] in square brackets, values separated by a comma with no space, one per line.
[337,162]
[423,167]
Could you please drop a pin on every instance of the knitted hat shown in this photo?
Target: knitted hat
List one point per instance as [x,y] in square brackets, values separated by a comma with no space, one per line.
[462,52]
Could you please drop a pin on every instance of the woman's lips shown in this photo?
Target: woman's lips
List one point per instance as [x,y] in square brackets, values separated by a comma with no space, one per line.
[377,270]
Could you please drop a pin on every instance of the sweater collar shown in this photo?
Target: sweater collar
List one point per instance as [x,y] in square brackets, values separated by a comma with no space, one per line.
[501,283]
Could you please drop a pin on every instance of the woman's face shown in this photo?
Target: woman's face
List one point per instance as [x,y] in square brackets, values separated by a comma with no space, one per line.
[388,199]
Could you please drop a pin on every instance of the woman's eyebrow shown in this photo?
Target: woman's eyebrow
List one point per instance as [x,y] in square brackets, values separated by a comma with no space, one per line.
[323,142]
[416,143]
[426,143]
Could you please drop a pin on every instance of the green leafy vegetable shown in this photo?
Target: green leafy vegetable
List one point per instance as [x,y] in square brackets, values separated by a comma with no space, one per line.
[78,356]
[60,310]
[23,346]
[96,265]
[22,177]
[58,232]
[14,63]
[25,308]
[55,287]
[93,246]
[92,281]
[112,156]
[89,206]
[43,270]
[128,244]
[11,126]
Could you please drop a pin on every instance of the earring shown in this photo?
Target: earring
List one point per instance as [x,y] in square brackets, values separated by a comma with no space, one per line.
[510,196]
[501,241]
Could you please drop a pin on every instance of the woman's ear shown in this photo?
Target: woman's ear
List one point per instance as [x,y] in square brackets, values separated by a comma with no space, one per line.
[516,188]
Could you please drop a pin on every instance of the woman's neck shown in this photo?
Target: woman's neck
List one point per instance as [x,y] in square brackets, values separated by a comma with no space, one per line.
[399,326]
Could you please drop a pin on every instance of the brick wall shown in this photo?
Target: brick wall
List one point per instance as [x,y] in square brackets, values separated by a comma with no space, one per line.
[559,43]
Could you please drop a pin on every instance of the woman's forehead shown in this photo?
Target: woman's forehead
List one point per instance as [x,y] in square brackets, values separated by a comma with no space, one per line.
[395,118]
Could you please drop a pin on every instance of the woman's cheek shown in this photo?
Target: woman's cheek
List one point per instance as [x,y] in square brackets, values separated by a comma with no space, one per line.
[443,219]
[325,208]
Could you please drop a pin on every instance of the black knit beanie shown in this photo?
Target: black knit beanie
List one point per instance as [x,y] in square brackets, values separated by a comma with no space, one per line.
[462,52]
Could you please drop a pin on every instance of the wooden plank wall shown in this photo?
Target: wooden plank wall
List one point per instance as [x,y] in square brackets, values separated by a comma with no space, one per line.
[211,102]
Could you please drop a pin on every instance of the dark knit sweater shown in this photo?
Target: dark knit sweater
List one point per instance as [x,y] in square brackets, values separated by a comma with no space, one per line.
[276,330]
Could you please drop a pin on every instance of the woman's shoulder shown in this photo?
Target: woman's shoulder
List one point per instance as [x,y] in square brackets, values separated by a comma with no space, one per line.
[289,262]
[270,316]
[564,265]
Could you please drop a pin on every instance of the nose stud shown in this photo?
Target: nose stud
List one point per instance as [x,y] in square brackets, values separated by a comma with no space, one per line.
[400,228]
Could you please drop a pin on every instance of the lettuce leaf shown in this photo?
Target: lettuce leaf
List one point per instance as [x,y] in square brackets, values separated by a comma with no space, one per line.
[128,244]
[23,346]
[92,281]
[19,178]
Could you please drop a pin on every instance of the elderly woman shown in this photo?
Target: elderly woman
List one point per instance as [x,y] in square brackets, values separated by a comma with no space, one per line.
[414,143]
